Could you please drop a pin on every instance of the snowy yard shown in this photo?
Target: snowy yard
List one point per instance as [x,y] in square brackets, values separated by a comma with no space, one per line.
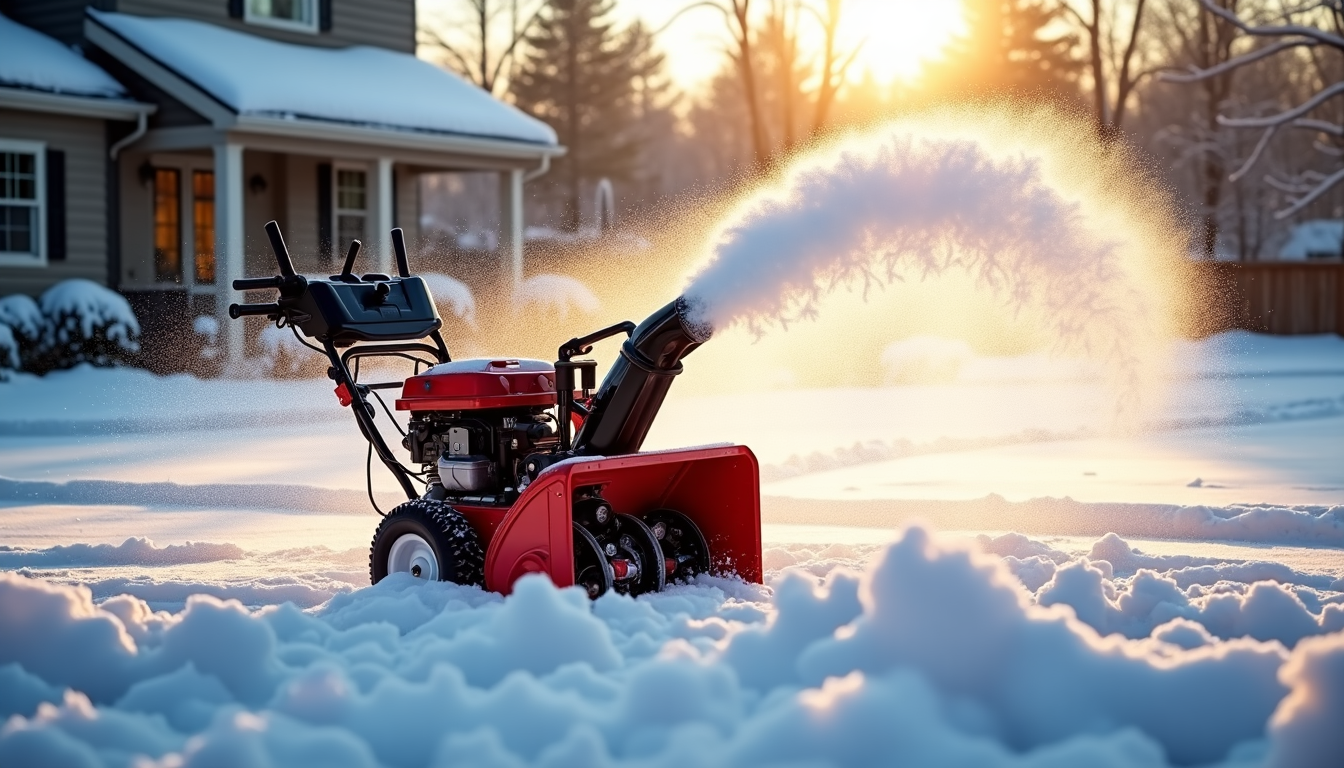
[1009,626]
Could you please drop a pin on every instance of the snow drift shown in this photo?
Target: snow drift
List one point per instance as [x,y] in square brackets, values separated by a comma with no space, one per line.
[934,653]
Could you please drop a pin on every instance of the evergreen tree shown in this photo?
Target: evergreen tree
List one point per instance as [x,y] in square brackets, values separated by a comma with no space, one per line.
[1010,46]
[589,81]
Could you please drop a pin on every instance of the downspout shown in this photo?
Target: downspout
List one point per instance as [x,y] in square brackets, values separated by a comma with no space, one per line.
[540,170]
[141,126]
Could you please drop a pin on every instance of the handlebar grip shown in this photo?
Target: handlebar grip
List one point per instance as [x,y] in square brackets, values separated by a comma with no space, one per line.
[243,310]
[281,252]
[399,248]
[257,283]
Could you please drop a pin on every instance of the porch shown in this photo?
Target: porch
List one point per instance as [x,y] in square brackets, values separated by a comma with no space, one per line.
[331,156]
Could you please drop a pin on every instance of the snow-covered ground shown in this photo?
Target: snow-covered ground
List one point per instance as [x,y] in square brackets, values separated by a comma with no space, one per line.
[1064,595]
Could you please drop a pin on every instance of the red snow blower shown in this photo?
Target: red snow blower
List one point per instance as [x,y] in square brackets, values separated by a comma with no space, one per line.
[523,471]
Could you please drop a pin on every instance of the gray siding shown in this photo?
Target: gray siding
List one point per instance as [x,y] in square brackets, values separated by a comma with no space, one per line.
[61,19]
[84,142]
[382,23]
[299,221]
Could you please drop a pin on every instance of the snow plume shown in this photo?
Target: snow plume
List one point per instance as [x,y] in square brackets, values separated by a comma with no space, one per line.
[933,655]
[971,192]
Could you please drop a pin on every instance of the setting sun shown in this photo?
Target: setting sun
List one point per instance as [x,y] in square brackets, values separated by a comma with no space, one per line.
[900,35]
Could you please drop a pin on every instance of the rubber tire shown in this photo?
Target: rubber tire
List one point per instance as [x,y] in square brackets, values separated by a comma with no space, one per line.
[455,543]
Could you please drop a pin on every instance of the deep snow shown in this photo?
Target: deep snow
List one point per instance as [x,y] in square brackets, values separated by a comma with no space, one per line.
[30,59]
[1210,630]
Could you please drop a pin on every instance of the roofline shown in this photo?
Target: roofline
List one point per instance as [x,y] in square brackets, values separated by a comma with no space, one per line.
[394,137]
[226,118]
[192,95]
[71,104]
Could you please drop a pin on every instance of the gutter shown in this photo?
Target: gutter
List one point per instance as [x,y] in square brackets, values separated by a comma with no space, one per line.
[79,106]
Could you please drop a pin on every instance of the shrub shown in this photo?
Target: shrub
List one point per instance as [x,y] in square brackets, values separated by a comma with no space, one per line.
[25,324]
[85,323]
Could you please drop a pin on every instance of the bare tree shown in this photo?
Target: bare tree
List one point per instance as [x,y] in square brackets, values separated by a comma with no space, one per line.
[483,48]
[1290,39]
[1111,56]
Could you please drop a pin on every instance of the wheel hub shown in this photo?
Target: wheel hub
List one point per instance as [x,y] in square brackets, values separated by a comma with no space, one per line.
[412,554]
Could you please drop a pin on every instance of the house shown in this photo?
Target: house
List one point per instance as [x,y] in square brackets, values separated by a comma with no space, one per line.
[193,122]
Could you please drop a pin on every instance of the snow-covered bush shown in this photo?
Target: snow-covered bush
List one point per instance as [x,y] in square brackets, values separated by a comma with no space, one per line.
[22,319]
[555,293]
[285,357]
[84,323]
[9,352]
[453,294]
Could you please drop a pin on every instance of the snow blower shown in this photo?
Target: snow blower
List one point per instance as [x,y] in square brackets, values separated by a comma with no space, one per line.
[526,466]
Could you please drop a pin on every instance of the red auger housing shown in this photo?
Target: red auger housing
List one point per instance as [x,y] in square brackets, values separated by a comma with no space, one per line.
[526,466]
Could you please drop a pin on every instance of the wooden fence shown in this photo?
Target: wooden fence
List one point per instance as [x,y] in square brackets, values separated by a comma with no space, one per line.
[1271,297]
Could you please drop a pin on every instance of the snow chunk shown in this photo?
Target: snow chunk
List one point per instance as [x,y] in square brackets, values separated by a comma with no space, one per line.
[30,59]
[358,85]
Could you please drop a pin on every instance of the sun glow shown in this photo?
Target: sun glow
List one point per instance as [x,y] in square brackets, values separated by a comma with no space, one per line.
[899,36]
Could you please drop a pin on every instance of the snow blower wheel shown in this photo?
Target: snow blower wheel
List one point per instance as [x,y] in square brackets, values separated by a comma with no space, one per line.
[591,569]
[429,540]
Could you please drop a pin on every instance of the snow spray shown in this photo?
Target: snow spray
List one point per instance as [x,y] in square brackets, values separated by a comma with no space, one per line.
[981,193]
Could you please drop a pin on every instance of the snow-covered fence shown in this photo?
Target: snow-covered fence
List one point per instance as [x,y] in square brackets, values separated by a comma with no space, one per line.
[75,321]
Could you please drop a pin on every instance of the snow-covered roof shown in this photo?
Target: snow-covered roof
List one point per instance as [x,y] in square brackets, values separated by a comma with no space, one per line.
[1315,239]
[359,85]
[31,60]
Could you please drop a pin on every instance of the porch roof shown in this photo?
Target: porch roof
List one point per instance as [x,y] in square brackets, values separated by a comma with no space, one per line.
[360,93]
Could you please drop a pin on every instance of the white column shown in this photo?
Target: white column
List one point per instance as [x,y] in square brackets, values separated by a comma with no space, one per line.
[511,222]
[382,217]
[228,246]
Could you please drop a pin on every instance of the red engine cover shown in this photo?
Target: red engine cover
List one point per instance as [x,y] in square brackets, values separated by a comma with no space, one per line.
[468,385]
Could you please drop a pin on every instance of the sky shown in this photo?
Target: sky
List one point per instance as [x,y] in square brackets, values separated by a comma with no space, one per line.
[897,35]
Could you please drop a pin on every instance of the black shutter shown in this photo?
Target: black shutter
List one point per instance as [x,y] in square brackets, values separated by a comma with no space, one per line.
[324,15]
[235,9]
[324,238]
[55,205]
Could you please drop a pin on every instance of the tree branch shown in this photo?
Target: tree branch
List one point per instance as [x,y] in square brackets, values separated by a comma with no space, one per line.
[1287,115]
[1195,74]
[1287,29]
[1310,197]
[1255,153]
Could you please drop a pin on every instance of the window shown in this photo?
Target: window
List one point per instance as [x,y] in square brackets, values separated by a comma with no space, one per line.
[287,14]
[167,226]
[22,192]
[351,208]
[203,224]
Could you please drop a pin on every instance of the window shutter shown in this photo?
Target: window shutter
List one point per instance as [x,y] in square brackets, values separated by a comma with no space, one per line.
[324,212]
[235,9]
[324,15]
[55,205]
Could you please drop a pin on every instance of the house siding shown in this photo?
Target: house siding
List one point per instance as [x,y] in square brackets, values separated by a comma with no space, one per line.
[84,142]
[61,19]
[383,23]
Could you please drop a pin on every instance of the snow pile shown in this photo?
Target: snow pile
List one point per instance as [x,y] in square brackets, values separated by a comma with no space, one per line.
[918,200]
[86,323]
[933,655]
[133,551]
[30,59]
[360,85]
[559,294]
[1318,239]
[453,293]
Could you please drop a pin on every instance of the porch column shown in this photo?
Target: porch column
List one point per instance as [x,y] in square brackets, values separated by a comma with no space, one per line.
[228,247]
[511,223]
[382,216]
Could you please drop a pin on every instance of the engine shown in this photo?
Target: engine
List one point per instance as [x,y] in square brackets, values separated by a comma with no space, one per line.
[474,423]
